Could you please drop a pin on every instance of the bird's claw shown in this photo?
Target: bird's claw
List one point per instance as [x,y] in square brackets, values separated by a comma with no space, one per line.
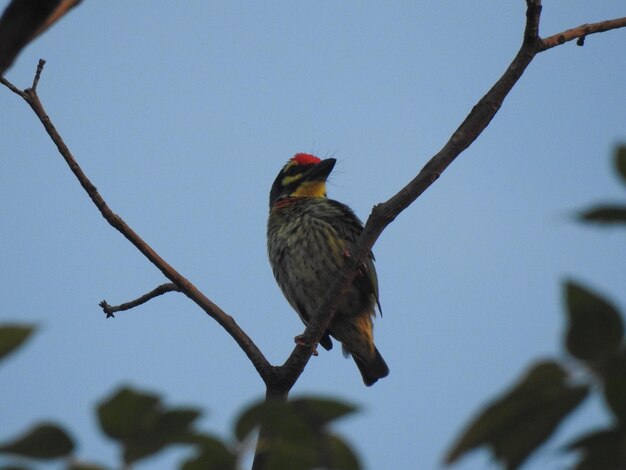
[299,340]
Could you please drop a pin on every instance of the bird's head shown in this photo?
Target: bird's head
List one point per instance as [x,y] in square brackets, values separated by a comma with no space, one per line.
[304,175]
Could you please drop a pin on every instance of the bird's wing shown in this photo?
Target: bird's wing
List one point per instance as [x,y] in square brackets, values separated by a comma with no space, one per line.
[349,228]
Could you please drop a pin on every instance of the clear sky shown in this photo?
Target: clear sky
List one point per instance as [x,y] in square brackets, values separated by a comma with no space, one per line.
[182,113]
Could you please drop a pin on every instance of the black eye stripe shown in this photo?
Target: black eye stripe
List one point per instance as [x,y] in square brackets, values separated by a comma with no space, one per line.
[296,170]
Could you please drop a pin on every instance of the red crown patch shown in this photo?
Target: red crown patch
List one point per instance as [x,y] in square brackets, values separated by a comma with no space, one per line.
[305,159]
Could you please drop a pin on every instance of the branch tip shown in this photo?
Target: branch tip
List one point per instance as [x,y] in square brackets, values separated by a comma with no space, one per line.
[106,308]
[40,65]
[160,290]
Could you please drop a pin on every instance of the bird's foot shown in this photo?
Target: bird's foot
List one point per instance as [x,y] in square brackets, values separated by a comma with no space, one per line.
[299,340]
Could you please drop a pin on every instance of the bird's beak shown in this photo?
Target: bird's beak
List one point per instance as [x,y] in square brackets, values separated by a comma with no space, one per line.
[320,171]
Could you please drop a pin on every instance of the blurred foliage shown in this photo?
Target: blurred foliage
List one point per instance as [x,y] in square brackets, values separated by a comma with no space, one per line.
[296,433]
[523,419]
[609,213]
[23,20]
[514,425]
[12,336]
[43,441]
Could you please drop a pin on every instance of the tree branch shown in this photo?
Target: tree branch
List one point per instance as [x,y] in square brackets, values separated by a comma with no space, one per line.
[257,358]
[383,214]
[160,290]
[279,380]
[582,32]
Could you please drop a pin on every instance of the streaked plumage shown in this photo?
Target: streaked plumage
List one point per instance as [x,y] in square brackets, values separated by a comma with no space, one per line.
[308,239]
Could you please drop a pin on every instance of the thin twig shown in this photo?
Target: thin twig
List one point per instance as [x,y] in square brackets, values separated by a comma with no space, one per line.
[40,65]
[257,358]
[582,31]
[160,290]
[12,87]
[279,380]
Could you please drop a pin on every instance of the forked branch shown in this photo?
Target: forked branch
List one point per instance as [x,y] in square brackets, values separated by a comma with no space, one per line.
[182,284]
[279,380]
[469,130]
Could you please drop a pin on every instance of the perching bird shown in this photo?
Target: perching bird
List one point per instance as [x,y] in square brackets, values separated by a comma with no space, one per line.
[308,239]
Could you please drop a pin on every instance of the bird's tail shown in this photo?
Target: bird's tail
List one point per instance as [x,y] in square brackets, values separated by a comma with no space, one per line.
[372,369]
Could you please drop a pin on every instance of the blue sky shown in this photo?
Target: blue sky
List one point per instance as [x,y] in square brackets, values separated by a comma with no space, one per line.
[182,116]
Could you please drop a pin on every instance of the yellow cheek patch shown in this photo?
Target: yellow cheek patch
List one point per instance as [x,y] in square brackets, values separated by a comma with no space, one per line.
[311,189]
[287,180]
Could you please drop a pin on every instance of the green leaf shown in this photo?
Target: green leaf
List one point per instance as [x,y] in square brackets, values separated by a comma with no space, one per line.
[84,466]
[208,461]
[12,336]
[290,455]
[601,450]
[620,161]
[139,421]
[320,411]
[44,441]
[174,425]
[248,420]
[278,419]
[343,457]
[326,451]
[127,413]
[214,455]
[294,434]
[607,214]
[514,425]
[297,415]
[615,386]
[595,328]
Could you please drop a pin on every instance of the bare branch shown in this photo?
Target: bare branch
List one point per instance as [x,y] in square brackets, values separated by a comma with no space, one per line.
[279,380]
[383,214]
[184,285]
[12,87]
[160,290]
[582,31]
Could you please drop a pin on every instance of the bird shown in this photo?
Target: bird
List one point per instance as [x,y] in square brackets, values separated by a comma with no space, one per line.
[309,239]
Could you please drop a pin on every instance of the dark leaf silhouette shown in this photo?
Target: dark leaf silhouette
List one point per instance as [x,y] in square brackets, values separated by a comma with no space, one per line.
[213,455]
[605,215]
[524,418]
[595,328]
[139,421]
[12,336]
[23,20]
[620,162]
[615,386]
[85,466]
[601,450]
[295,433]
[44,441]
